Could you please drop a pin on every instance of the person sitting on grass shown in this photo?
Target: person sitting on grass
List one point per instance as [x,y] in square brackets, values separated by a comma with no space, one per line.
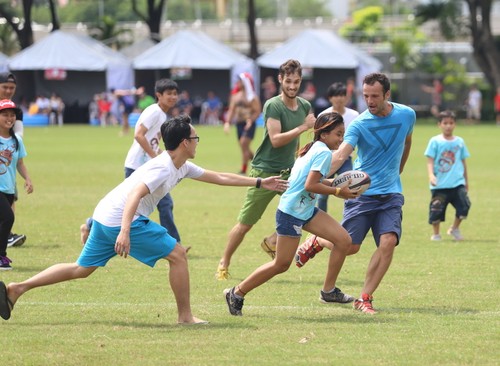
[121,225]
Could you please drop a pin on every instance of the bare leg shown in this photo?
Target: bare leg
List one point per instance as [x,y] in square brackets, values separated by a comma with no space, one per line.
[353,248]
[84,233]
[125,124]
[326,226]
[57,273]
[179,282]
[285,251]
[236,236]
[435,228]
[456,223]
[379,263]
[246,153]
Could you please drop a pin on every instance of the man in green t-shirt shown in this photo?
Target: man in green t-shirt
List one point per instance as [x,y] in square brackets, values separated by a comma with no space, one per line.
[286,117]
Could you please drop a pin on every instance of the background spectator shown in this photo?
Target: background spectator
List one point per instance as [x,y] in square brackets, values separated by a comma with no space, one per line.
[185,104]
[210,110]
[56,110]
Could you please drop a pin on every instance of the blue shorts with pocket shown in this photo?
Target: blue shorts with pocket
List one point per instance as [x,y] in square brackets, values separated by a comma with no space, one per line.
[149,242]
[381,213]
[288,225]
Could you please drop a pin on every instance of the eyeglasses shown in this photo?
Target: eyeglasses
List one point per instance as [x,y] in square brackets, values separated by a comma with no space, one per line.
[197,138]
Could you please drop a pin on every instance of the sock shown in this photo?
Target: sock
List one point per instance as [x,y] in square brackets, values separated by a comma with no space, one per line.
[244,168]
[329,292]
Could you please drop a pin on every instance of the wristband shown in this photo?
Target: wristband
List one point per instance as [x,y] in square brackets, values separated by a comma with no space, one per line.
[337,191]
[258,183]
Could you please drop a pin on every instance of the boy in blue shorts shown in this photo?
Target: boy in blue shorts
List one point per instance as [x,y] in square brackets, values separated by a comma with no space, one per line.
[448,179]
[383,136]
[121,226]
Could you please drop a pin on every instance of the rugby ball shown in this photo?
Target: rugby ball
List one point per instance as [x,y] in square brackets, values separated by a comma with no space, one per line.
[358,179]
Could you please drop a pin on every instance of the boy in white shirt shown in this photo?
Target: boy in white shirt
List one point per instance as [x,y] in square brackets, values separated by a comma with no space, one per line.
[121,225]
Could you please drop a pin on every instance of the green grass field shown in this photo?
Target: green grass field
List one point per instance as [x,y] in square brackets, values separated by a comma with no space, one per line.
[438,304]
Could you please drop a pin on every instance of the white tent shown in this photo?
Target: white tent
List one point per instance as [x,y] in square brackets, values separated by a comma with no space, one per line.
[193,49]
[137,48]
[329,56]
[88,65]
[211,64]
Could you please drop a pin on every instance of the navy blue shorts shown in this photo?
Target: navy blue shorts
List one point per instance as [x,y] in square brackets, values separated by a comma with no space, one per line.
[288,225]
[458,198]
[250,133]
[381,213]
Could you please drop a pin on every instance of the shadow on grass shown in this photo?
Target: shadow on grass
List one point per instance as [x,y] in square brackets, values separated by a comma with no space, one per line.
[432,311]
[343,282]
[229,324]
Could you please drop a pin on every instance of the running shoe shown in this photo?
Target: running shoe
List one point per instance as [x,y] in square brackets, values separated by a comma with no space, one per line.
[307,250]
[455,233]
[234,304]
[364,304]
[335,296]
[268,248]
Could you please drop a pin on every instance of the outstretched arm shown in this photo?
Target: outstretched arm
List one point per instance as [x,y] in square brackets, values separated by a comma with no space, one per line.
[231,179]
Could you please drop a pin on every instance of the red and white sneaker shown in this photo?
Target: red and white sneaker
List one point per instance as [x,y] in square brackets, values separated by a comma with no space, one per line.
[365,304]
[307,250]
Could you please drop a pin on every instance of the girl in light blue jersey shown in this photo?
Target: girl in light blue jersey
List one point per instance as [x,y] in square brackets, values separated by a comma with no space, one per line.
[297,210]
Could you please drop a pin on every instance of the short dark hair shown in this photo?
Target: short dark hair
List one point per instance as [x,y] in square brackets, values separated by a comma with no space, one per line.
[336,90]
[372,78]
[174,130]
[446,114]
[290,67]
[165,84]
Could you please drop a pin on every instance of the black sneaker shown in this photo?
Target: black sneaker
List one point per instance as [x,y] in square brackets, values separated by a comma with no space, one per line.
[16,240]
[335,296]
[5,263]
[233,303]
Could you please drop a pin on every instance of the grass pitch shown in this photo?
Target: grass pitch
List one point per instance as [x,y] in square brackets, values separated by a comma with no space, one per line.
[438,304]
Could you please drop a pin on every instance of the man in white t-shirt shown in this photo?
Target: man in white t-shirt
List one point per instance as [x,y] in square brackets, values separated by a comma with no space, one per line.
[337,96]
[121,225]
[147,140]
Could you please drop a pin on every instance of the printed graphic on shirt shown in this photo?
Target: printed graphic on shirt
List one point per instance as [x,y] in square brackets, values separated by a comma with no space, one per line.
[6,157]
[382,135]
[446,160]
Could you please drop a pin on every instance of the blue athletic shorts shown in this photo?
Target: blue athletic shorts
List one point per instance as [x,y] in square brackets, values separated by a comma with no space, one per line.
[381,213]
[149,242]
[288,225]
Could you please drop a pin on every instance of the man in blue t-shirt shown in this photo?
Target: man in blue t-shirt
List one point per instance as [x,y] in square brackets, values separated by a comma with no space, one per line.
[382,135]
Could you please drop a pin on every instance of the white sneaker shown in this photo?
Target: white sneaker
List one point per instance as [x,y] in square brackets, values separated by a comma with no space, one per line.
[436,237]
[455,233]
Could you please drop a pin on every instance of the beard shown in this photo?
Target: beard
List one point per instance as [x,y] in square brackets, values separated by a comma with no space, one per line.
[288,94]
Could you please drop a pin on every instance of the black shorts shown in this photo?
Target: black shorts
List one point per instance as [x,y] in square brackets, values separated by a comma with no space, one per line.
[250,133]
[458,198]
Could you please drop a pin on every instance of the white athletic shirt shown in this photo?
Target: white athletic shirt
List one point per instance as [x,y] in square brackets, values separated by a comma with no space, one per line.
[152,118]
[159,174]
[348,116]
